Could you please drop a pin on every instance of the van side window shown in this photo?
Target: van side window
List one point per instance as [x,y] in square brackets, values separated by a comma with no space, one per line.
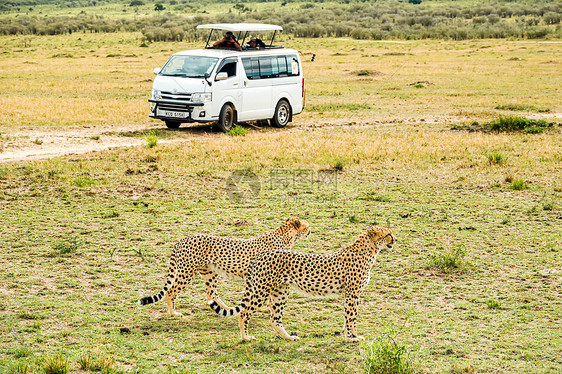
[251,67]
[293,65]
[270,66]
[229,68]
[282,62]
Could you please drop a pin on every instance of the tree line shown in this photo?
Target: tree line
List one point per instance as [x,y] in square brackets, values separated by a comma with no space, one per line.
[378,21]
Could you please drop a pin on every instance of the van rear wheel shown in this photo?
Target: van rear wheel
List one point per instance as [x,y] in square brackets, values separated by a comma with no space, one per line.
[172,124]
[226,118]
[282,114]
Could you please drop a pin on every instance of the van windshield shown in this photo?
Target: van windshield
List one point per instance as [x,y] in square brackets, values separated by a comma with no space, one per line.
[189,66]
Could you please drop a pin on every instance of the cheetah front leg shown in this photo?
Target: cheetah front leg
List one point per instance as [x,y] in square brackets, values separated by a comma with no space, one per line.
[278,301]
[181,281]
[210,279]
[350,308]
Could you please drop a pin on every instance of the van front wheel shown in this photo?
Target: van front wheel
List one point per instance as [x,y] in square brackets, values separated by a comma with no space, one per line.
[282,114]
[226,118]
[172,124]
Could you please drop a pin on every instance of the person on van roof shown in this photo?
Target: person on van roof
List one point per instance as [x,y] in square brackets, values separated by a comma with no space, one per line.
[255,43]
[229,41]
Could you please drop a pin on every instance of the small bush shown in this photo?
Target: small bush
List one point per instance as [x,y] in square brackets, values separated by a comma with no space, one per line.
[237,130]
[363,73]
[339,163]
[151,139]
[385,355]
[516,123]
[83,181]
[96,362]
[67,246]
[495,158]
[22,352]
[449,261]
[492,304]
[57,364]
[20,367]
[519,185]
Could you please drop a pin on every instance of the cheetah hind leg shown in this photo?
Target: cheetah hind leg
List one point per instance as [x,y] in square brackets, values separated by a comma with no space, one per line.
[254,302]
[182,280]
[210,279]
[278,300]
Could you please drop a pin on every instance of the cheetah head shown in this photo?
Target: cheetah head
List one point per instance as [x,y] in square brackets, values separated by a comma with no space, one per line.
[382,237]
[300,225]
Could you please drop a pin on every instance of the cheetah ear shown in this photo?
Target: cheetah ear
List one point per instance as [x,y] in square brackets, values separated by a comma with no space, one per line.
[295,222]
[374,231]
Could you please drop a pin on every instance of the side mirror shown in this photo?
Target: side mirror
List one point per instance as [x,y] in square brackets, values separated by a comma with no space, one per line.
[222,76]
[157,70]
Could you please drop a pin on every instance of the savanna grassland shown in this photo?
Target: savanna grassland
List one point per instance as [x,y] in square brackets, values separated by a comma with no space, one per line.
[473,287]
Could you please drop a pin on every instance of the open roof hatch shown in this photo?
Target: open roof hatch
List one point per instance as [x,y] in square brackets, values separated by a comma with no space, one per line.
[240,28]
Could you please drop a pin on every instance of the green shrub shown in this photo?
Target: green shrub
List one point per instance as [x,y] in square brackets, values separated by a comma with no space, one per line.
[237,130]
[67,246]
[83,181]
[151,139]
[57,364]
[20,367]
[495,158]
[449,261]
[516,123]
[96,362]
[519,185]
[22,352]
[385,355]
[492,304]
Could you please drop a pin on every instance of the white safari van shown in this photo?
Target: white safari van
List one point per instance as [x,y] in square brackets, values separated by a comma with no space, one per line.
[226,86]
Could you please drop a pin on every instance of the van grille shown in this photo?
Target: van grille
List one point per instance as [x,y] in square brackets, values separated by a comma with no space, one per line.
[181,98]
[175,96]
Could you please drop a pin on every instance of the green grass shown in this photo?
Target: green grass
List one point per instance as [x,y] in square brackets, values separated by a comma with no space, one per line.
[57,364]
[124,255]
[495,158]
[85,236]
[449,261]
[519,185]
[517,123]
[386,355]
[151,139]
[67,246]
[237,130]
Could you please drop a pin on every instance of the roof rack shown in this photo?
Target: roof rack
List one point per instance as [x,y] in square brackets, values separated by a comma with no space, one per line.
[241,28]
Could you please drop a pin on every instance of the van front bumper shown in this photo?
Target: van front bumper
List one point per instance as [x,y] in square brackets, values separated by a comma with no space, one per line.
[183,111]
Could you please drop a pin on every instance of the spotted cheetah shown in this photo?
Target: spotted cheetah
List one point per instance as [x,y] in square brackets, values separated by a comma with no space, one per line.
[346,272]
[212,256]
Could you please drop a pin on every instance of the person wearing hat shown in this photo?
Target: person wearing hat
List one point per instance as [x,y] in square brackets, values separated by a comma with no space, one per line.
[228,42]
[255,43]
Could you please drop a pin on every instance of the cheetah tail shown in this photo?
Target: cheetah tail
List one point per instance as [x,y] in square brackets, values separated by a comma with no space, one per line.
[226,312]
[154,298]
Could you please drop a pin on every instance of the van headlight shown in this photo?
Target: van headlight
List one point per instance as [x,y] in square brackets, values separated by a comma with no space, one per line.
[202,97]
[156,94]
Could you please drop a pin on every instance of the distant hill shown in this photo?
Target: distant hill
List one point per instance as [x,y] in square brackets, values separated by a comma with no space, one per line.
[175,20]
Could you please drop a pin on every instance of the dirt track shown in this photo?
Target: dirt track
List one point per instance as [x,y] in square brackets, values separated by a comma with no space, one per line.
[32,143]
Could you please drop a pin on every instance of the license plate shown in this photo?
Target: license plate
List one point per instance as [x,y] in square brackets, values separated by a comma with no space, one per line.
[172,114]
